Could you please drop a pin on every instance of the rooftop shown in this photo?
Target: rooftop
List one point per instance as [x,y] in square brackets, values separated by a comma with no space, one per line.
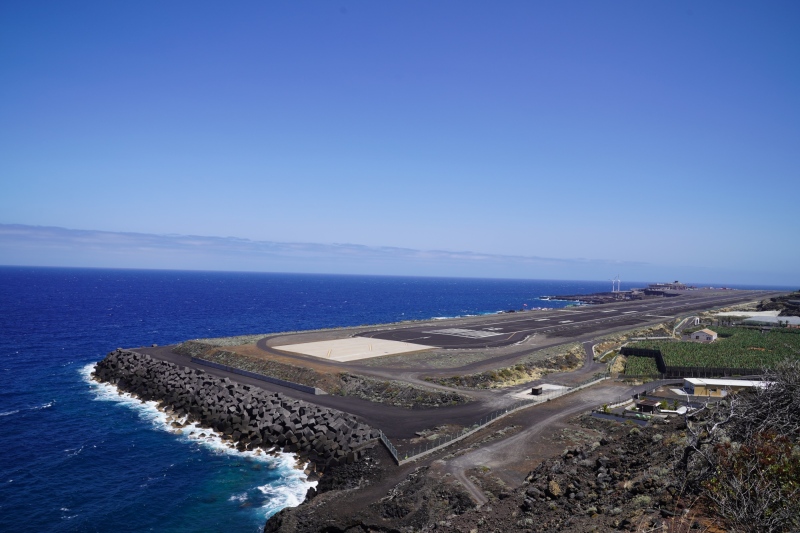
[726,382]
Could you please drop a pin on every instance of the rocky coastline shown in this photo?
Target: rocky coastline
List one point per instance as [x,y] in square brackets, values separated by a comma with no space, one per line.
[248,417]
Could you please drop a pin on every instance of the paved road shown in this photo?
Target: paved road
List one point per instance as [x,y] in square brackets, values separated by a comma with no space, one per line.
[396,422]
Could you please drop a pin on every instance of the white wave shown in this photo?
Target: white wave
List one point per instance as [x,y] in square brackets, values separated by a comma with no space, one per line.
[72,452]
[34,408]
[482,313]
[289,491]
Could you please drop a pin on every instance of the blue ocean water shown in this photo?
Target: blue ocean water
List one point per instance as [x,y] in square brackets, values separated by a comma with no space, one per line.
[74,456]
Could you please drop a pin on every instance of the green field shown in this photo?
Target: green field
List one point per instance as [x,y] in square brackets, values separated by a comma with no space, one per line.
[636,366]
[735,348]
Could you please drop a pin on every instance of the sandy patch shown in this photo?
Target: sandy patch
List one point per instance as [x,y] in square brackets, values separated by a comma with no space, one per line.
[352,349]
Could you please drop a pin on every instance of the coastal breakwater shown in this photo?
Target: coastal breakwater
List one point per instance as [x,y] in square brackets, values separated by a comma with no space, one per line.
[248,416]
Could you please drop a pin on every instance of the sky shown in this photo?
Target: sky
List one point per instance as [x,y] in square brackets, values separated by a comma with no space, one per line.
[571,140]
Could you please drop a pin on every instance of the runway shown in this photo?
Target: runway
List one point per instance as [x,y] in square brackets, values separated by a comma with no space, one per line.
[574,322]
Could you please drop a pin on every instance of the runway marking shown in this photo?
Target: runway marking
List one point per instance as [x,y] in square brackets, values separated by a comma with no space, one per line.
[565,321]
[629,312]
[541,319]
[467,333]
[609,311]
[698,303]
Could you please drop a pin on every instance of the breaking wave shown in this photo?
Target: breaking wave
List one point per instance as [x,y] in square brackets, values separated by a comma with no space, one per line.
[288,490]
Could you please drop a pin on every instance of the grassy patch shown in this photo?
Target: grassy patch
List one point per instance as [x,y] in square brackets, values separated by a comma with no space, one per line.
[638,366]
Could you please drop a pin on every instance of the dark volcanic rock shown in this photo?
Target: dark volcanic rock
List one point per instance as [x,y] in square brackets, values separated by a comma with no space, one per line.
[251,416]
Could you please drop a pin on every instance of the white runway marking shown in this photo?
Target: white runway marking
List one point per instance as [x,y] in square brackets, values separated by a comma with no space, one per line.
[629,312]
[565,321]
[467,333]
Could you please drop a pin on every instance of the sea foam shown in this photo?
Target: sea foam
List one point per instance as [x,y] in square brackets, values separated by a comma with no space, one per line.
[288,491]
[47,405]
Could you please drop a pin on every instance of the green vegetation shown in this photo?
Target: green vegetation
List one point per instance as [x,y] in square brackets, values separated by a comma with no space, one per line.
[735,348]
[609,356]
[637,366]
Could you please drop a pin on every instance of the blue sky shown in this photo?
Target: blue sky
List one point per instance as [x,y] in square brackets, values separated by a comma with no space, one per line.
[659,139]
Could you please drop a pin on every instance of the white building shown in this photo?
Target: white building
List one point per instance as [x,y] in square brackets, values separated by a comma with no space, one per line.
[703,335]
[718,387]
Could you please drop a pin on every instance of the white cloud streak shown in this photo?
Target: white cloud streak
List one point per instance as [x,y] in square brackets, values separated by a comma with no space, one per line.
[54,246]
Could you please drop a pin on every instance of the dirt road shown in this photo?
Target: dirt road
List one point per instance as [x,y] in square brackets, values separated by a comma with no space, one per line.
[512,458]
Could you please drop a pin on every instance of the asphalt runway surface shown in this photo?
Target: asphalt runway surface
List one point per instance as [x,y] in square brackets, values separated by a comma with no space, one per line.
[572,322]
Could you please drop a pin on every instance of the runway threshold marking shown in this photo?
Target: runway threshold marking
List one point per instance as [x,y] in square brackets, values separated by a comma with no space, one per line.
[466,333]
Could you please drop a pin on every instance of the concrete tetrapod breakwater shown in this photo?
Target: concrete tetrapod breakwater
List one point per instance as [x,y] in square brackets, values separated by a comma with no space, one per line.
[249,416]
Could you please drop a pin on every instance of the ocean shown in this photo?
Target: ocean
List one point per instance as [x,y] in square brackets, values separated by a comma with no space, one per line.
[76,456]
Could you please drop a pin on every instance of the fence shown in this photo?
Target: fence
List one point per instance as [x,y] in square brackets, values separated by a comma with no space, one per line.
[641,377]
[261,377]
[389,446]
[667,371]
[709,372]
[639,352]
[680,372]
[619,403]
[447,440]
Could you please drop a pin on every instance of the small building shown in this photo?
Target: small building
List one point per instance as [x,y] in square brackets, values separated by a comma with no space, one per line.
[674,286]
[718,387]
[537,391]
[647,406]
[703,335]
